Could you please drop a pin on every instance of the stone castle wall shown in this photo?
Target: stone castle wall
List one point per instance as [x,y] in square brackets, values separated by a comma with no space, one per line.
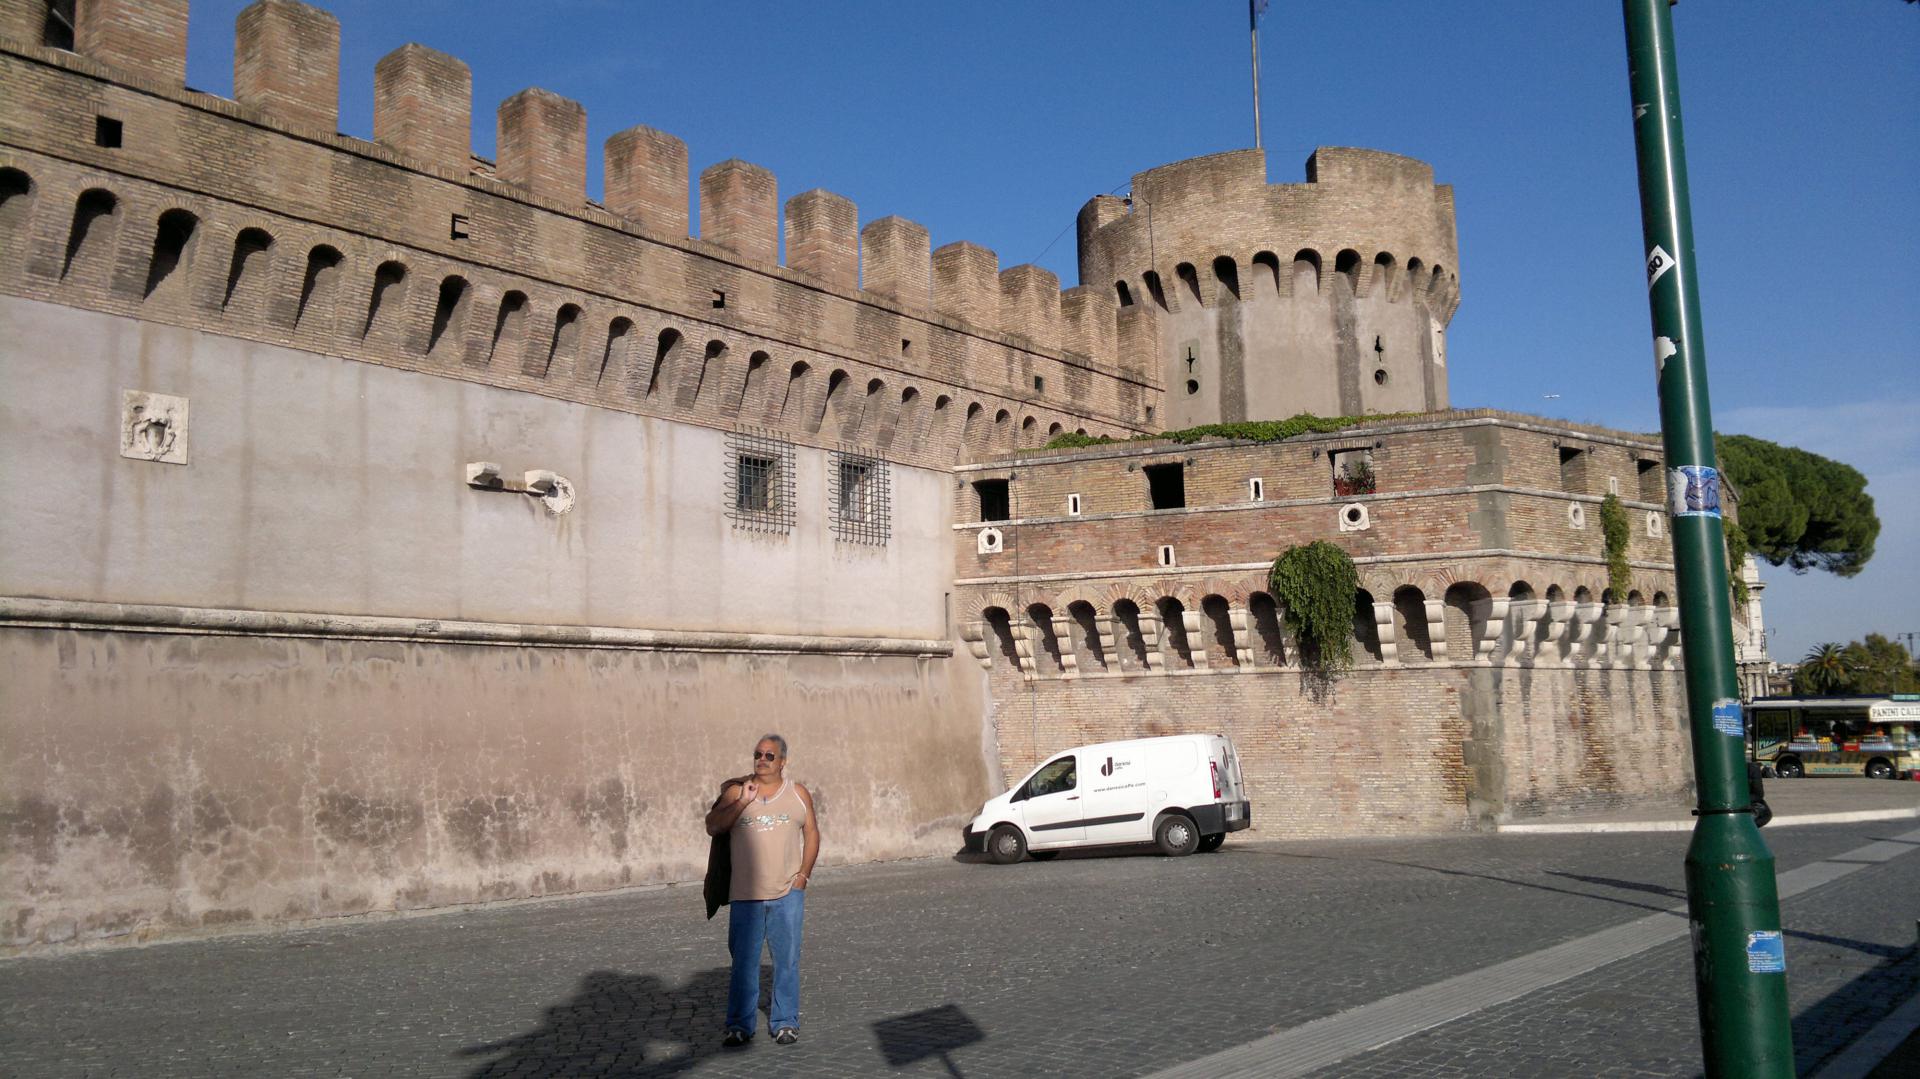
[410,529]
[159,783]
[1385,751]
[1495,673]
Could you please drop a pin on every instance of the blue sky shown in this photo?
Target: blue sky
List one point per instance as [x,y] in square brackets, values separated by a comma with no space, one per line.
[994,121]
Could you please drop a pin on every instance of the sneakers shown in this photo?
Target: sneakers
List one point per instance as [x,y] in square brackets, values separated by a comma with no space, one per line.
[735,1038]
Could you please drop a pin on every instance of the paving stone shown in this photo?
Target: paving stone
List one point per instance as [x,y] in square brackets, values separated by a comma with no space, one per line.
[1111,965]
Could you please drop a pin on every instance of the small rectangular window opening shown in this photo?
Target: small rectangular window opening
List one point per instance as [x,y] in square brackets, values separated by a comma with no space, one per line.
[458,229]
[861,498]
[754,492]
[1167,486]
[906,346]
[106,132]
[856,491]
[1039,384]
[1573,470]
[1353,472]
[1648,477]
[1166,554]
[1073,505]
[759,479]
[1256,490]
[58,32]
[994,503]
[719,299]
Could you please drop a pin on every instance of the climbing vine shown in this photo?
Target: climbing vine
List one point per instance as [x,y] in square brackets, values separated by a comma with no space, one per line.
[1616,531]
[1249,431]
[1315,585]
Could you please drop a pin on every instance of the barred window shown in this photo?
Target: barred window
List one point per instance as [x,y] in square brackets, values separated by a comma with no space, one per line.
[759,476]
[861,499]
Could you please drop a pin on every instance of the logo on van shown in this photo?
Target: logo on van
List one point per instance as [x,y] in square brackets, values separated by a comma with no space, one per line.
[1107,768]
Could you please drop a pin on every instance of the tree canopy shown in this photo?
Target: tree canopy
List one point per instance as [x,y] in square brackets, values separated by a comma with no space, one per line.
[1799,509]
[1875,665]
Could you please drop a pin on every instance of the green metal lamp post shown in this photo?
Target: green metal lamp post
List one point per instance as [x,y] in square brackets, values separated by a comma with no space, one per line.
[1734,907]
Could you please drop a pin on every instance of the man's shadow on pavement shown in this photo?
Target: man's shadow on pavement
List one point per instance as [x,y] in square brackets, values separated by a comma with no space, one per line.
[636,1024]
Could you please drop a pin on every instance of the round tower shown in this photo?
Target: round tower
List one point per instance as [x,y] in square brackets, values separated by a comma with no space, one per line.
[1330,297]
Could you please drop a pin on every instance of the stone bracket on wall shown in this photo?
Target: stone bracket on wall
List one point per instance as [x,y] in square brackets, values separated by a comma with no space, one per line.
[975,635]
[1383,630]
[1515,632]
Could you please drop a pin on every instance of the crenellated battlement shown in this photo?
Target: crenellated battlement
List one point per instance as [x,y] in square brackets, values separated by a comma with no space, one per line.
[520,232]
[1330,296]
[1374,216]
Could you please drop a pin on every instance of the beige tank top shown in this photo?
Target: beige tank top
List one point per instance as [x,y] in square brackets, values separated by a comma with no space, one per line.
[768,844]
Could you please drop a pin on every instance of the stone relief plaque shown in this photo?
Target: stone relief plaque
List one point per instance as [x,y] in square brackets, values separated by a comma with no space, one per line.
[153,427]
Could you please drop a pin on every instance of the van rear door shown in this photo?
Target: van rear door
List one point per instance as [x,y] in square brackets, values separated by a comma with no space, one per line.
[1226,763]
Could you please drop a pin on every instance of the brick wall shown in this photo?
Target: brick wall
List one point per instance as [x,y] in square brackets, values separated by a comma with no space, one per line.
[1380,752]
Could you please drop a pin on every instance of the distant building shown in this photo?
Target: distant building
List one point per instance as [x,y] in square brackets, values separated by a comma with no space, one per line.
[1750,635]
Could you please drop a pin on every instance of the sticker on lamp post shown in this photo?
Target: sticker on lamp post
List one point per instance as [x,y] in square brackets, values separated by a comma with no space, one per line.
[1658,263]
[1726,718]
[1693,491]
[1766,952]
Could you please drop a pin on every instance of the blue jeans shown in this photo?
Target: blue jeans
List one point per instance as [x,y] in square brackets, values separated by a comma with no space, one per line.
[751,925]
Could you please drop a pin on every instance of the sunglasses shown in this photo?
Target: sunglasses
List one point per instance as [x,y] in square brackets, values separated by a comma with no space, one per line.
[759,756]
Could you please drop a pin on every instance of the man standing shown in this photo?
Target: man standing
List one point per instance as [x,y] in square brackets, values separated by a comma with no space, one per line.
[773,838]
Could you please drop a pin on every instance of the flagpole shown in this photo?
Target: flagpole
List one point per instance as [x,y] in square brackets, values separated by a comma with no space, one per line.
[1253,32]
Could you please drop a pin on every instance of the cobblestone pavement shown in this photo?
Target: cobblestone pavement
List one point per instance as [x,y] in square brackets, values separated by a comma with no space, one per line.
[1094,966]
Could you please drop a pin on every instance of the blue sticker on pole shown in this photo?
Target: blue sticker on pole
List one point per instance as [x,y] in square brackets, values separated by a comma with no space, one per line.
[1726,718]
[1693,491]
[1766,952]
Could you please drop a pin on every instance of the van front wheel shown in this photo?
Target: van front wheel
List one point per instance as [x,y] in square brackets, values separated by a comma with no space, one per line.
[1209,843]
[1176,835]
[1879,769]
[1005,845]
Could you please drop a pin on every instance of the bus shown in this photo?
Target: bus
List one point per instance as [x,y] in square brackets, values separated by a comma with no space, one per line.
[1877,737]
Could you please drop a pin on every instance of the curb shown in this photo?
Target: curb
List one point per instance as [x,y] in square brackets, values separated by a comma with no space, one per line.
[1592,827]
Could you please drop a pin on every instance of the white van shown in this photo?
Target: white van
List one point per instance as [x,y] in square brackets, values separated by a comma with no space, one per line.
[1183,792]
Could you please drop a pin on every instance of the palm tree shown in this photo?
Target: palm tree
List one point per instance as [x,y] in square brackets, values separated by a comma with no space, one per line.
[1825,669]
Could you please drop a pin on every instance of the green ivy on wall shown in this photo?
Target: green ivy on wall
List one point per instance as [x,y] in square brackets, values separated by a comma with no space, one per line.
[1249,431]
[1315,585]
[1616,530]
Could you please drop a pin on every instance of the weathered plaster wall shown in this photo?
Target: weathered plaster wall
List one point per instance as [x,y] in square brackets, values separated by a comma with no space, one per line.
[321,484]
[153,784]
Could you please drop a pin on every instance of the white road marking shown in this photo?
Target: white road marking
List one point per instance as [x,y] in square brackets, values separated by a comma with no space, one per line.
[1325,1042]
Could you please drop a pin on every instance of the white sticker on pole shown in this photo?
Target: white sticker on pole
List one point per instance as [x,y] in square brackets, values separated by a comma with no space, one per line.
[1693,491]
[1658,263]
[1663,349]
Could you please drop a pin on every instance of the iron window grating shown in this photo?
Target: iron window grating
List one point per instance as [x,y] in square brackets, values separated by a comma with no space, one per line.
[860,498]
[759,478]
